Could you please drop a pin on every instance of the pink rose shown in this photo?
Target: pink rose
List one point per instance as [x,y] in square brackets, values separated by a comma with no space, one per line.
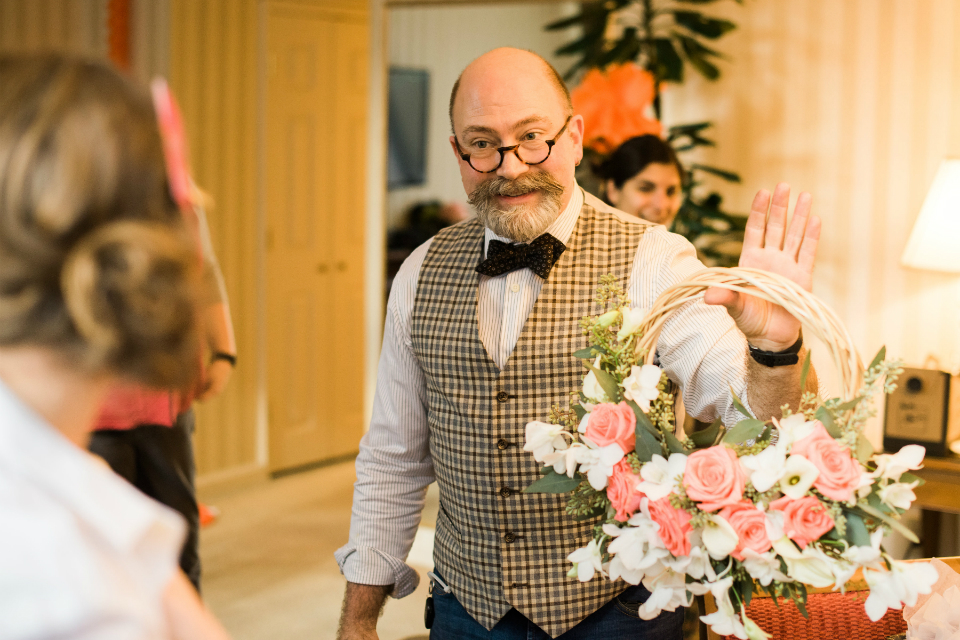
[804,520]
[714,478]
[839,472]
[611,423]
[674,524]
[622,490]
[751,526]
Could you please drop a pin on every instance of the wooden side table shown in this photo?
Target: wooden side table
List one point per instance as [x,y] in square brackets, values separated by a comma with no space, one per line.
[940,494]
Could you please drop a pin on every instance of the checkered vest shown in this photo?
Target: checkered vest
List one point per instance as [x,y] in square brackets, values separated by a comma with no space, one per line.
[497,547]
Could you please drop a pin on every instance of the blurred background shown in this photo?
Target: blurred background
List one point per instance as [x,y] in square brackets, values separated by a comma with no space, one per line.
[320,128]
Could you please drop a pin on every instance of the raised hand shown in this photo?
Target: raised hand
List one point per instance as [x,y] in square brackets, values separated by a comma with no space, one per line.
[769,245]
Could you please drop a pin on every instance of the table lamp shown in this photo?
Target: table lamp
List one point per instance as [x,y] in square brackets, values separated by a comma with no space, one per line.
[922,408]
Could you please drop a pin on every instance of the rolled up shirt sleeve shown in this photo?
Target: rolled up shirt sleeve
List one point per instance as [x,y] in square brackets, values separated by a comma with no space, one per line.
[700,347]
[394,466]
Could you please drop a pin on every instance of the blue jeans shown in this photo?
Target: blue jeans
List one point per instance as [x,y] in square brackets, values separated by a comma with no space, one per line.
[616,619]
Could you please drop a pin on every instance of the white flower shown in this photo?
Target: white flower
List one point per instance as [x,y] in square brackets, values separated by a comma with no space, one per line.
[892,466]
[641,385]
[661,476]
[810,566]
[719,537]
[763,567]
[638,545]
[868,557]
[591,386]
[564,460]
[632,319]
[775,524]
[542,439]
[798,476]
[587,561]
[598,463]
[793,428]
[668,590]
[766,467]
[901,585]
[898,494]
[752,629]
[724,621]
[863,488]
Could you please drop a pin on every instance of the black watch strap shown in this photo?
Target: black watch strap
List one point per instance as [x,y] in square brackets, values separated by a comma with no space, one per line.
[220,355]
[783,358]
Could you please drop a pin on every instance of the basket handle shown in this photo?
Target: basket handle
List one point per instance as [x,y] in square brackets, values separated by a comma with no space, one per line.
[816,317]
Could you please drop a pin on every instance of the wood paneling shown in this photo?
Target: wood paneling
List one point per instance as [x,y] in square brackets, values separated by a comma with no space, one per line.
[213,72]
[77,26]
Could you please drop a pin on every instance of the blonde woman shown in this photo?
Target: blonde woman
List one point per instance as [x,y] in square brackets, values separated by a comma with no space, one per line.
[98,281]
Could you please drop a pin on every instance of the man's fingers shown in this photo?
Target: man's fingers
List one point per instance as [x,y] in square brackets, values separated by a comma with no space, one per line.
[808,250]
[777,222]
[757,222]
[798,225]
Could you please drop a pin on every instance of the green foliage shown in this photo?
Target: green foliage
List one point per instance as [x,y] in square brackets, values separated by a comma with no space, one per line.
[749,429]
[553,482]
[665,37]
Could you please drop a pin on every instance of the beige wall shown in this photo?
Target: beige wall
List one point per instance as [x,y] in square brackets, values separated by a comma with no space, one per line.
[856,101]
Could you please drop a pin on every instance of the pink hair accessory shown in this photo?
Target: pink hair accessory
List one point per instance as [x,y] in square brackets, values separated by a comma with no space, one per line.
[174,143]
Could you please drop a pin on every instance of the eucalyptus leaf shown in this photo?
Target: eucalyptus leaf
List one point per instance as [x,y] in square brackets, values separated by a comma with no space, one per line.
[745,587]
[554,482]
[707,437]
[890,521]
[607,382]
[846,406]
[877,359]
[673,443]
[580,411]
[589,353]
[826,418]
[856,530]
[805,372]
[642,418]
[909,477]
[739,405]
[766,434]
[647,445]
[749,429]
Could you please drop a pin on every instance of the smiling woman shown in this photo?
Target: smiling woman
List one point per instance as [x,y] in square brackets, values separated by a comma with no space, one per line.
[644,178]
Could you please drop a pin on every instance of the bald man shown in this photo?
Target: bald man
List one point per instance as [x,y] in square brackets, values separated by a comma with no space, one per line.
[481,324]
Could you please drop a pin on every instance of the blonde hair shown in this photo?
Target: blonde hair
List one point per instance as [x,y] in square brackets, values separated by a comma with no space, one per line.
[94,258]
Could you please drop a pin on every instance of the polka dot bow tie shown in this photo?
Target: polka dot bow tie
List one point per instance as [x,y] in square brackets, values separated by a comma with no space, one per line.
[539,256]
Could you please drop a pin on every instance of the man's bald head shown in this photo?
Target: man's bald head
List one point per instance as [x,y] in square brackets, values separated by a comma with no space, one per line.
[507,59]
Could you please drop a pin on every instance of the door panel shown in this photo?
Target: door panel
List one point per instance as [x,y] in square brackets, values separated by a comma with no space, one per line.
[314,171]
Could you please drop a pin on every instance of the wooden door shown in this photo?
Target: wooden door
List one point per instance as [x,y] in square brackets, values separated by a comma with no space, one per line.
[315,96]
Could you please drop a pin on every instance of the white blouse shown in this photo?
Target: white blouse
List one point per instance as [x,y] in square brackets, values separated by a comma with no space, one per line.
[83,554]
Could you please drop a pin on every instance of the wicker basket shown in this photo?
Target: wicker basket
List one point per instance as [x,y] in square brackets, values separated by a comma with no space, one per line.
[832,615]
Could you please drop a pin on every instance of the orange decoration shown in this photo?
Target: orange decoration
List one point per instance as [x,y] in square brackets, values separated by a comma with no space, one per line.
[614,105]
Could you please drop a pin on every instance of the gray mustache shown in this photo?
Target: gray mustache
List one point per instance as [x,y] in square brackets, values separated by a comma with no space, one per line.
[525,184]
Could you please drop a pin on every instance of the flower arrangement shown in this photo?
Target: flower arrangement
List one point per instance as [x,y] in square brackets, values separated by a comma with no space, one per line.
[779,506]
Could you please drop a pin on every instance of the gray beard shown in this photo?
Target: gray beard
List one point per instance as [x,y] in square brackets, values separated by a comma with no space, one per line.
[521,223]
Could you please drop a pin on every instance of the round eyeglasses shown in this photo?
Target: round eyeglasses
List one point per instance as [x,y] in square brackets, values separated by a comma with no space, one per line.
[487,159]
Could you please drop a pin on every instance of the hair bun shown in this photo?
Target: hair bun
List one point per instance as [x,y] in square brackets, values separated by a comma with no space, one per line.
[130,289]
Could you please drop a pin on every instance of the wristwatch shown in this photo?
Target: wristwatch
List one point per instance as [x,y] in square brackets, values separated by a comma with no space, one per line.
[220,355]
[778,358]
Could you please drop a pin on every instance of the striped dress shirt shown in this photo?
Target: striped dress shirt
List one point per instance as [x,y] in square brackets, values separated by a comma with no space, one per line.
[700,348]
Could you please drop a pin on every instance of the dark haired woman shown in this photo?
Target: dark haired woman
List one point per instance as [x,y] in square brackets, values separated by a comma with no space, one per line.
[643,177]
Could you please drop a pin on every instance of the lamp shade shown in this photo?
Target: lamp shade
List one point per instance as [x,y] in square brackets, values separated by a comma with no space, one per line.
[934,243]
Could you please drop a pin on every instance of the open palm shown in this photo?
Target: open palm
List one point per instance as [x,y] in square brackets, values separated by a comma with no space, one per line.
[770,245]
